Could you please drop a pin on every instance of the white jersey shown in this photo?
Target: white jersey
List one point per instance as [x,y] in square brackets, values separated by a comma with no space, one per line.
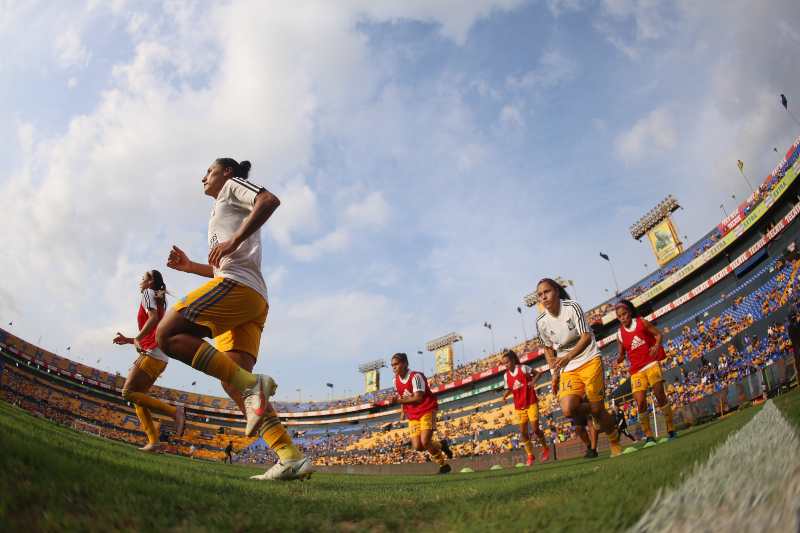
[562,333]
[235,203]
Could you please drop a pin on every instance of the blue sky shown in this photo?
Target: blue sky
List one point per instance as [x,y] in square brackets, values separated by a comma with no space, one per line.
[434,159]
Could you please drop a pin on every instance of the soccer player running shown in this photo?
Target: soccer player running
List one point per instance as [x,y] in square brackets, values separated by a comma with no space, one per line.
[641,341]
[232,308]
[151,361]
[574,359]
[419,406]
[520,382]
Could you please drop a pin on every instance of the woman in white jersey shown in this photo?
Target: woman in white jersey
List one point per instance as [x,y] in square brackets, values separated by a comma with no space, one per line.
[574,359]
[151,361]
[232,308]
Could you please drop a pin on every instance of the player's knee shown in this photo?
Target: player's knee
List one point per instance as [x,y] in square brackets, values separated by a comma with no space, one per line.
[163,337]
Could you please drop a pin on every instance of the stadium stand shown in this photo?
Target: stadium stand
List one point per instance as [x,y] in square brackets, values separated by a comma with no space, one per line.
[724,305]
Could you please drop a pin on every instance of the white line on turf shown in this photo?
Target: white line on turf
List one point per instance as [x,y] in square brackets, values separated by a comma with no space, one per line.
[750,483]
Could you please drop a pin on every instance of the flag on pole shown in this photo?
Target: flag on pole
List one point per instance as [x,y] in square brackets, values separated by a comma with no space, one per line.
[329,385]
[519,310]
[784,102]
[604,256]
[740,164]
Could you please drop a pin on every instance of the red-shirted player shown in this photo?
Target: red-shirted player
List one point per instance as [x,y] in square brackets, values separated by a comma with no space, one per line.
[419,407]
[151,361]
[642,342]
[520,381]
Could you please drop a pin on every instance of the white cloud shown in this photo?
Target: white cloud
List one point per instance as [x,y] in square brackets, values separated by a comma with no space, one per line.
[69,50]
[651,136]
[372,212]
[554,68]
[558,7]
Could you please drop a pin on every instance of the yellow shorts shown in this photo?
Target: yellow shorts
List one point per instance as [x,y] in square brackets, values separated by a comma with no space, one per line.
[522,416]
[150,365]
[233,312]
[586,379]
[426,421]
[646,377]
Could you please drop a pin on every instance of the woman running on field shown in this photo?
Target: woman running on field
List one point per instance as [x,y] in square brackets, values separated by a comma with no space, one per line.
[641,340]
[520,382]
[232,308]
[419,406]
[151,361]
[574,359]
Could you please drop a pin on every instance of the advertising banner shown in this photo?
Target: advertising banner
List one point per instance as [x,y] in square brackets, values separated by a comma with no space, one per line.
[443,359]
[664,241]
[372,381]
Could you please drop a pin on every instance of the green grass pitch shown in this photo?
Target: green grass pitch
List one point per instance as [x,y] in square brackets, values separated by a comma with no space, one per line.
[55,479]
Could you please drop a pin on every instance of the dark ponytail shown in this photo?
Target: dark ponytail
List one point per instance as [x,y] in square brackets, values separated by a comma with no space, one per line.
[562,292]
[240,170]
[511,354]
[159,287]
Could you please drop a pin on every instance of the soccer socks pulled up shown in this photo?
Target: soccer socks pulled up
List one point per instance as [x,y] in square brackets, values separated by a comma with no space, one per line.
[644,421]
[276,437]
[147,424]
[209,360]
[667,411]
[528,447]
[153,404]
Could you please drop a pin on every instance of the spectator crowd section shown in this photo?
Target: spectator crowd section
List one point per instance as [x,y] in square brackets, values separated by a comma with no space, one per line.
[713,345]
[696,250]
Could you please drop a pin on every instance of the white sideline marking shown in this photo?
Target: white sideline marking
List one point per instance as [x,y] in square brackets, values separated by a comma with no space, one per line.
[750,483]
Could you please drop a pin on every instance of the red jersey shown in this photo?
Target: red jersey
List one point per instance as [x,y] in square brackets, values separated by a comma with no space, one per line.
[637,342]
[149,302]
[518,382]
[415,382]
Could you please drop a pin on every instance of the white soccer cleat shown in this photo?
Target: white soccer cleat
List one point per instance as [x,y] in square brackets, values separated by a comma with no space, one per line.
[255,402]
[299,469]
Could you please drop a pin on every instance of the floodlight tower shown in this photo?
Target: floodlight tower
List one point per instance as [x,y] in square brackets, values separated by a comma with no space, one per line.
[442,348]
[660,230]
[372,375]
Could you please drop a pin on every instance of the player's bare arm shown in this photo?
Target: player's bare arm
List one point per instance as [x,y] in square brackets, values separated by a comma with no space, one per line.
[655,332]
[620,353]
[178,260]
[583,342]
[265,204]
[147,329]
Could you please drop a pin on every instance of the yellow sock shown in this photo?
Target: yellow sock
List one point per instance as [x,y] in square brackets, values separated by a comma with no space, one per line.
[667,410]
[153,404]
[276,437]
[613,437]
[147,423]
[644,421]
[528,447]
[215,363]
[436,453]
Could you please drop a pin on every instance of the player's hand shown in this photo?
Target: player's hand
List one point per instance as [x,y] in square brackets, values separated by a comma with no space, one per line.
[561,362]
[121,339]
[653,351]
[178,259]
[219,251]
[392,399]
